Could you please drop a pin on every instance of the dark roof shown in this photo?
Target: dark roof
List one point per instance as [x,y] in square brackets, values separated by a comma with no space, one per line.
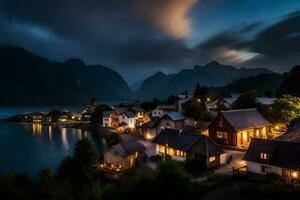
[106,114]
[245,118]
[126,148]
[293,133]
[281,154]
[152,123]
[175,116]
[120,110]
[206,147]
[166,107]
[129,114]
[202,125]
[188,141]
[129,137]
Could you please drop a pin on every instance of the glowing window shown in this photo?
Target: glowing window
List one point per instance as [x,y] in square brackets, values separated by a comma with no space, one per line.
[263,156]
[212,159]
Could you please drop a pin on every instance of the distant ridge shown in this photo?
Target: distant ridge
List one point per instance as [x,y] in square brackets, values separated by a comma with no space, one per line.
[214,74]
[26,79]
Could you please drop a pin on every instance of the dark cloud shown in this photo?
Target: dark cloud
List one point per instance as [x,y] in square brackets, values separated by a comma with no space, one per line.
[276,46]
[142,35]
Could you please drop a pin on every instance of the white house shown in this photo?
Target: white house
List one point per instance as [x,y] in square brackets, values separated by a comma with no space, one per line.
[273,156]
[127,120]
[161,110]
[107,119]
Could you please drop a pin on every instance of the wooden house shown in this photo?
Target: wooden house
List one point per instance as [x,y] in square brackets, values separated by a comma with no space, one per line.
[237,127]
[121,157]
[172,120]
[273,156]
[185,146]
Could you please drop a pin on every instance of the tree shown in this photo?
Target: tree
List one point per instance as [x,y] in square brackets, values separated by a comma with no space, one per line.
[246,100]
[80,169]
[96,117]
[197,90]
[55,115]
[286,108]
[172,181]
[201,93]
[50,188]
[290,83]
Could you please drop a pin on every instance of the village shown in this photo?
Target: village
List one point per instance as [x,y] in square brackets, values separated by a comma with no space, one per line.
[223,140]
[233,141]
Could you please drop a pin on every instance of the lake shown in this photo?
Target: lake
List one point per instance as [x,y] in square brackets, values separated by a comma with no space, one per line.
[30,148]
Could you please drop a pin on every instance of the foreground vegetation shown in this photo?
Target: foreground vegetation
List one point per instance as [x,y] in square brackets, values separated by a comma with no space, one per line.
[79,177]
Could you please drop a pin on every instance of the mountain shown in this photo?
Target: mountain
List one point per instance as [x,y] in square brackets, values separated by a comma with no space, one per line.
[213,74]
[136,85]
[26,79]
[262,83]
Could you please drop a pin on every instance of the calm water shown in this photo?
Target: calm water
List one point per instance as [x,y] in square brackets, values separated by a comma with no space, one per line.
[30,148]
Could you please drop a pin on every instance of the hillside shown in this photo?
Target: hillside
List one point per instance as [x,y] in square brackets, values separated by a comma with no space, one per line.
[212,75]
[26,79]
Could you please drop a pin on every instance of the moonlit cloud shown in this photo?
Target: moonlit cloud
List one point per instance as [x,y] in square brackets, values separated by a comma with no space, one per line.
[171,16]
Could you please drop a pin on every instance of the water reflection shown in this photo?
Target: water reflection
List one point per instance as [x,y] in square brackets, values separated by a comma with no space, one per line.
[64,138]
[36,128]
[30,148]
[50,132]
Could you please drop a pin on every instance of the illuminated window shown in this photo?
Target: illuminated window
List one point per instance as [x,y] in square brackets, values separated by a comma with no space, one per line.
[222,135]
[212,159]
[263,156]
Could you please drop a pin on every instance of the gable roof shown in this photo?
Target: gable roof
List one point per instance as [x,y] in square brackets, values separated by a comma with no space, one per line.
[124,149]
[175,116]
[129,114]
[188,141]
[106,114]
[282,154]
[245,118]
[121,110]
[166,107]
[293,133]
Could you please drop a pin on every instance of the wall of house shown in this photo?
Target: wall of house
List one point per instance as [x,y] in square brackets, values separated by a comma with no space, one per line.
[168,123]
[256,168]
[223,158]
[106,122]
[129,121]
[218,126]
[157,113]
[216,162]
[148,133]
[174,153]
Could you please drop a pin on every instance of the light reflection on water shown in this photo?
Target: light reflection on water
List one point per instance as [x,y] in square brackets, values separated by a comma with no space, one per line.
[30,148]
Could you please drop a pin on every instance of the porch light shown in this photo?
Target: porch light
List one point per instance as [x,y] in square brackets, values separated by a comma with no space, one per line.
[295,175]
[208,99]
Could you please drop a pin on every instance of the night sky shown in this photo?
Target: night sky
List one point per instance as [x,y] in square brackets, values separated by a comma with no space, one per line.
[139,37]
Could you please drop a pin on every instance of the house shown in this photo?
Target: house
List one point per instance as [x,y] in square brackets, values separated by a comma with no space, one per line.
[226,102]
[181,100]
[273,156]
[149,130]
[172,120]
[121,157]
[237,127]
[160,110]
[185,146]
[36,117]
[127,121]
